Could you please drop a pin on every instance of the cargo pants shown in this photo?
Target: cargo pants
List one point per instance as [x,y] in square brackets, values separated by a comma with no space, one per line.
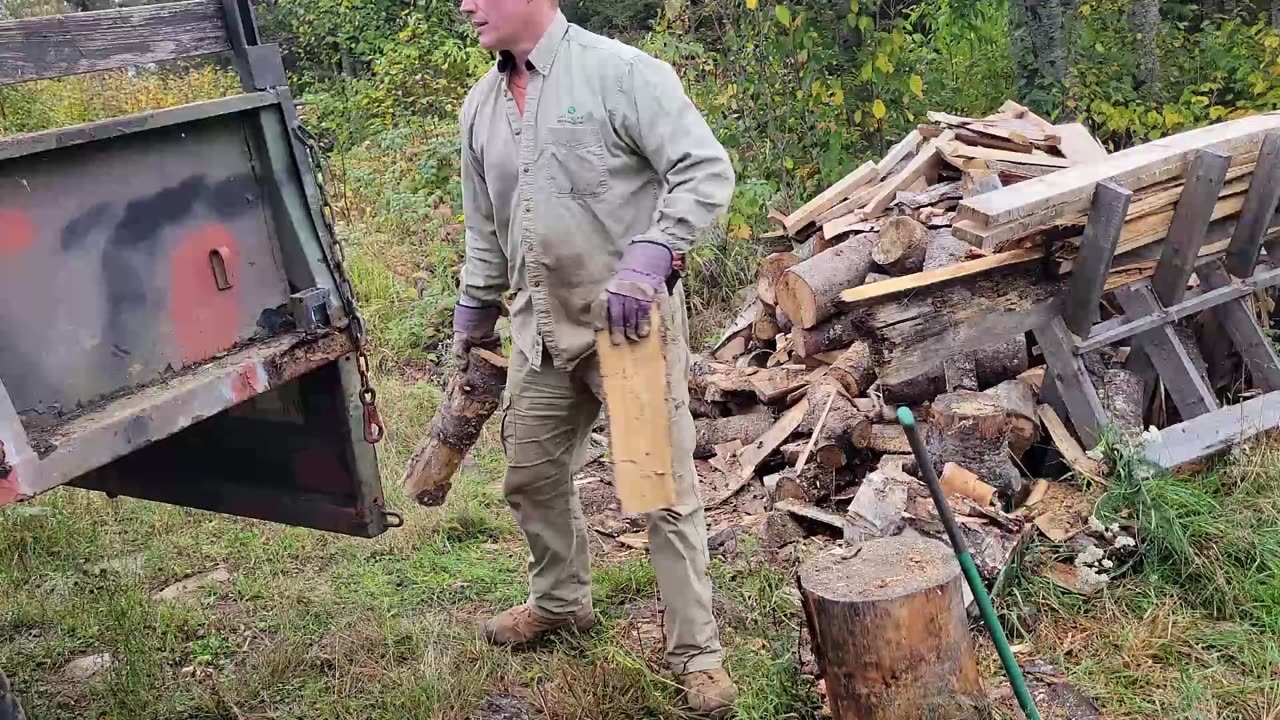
[547,420]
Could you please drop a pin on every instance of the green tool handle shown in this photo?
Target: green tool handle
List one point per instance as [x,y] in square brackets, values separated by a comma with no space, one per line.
[971,575]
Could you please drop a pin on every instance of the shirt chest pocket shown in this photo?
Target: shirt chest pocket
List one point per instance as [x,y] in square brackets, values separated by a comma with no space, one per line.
[575,162]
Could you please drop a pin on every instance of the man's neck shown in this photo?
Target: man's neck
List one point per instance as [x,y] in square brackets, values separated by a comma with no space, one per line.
[538,28]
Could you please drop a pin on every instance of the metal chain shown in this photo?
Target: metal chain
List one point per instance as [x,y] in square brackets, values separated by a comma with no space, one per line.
[374,430]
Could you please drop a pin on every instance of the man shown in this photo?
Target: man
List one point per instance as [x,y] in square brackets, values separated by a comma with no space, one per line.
[586,173]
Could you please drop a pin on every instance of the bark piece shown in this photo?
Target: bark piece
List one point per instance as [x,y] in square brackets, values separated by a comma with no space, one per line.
[878,506]
[470,400]
[889,438]
[901,246]
[945,249]
[890,632]
[1122,396]
[832,334]
[807,292]
[960,373]
[1001,361]
[971,429]
[780,530]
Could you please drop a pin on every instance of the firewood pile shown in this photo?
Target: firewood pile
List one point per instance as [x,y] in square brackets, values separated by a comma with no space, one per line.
[916,281]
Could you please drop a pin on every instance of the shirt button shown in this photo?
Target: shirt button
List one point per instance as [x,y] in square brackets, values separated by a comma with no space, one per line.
[537,283]
[526,169]
[517,131]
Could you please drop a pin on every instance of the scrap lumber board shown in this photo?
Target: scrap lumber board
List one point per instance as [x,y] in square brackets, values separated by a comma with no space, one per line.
[1078,144]
[1068,448]
[1187,232]
[1196,439]
[828,198]
[1111,332]
[1189,225]
[915,169]
[1068,191]
[915,281]
[755,453]
[639,423]
[1234,316]
[1259,205]
[1072,380]
[901,150]
[976,152]
[1097,251]
[1167,356]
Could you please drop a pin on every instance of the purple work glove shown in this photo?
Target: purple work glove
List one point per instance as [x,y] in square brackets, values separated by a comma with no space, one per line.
[641,274]
[473,327]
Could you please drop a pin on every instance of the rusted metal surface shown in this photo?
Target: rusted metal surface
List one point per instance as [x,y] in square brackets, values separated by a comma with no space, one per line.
[158,411]
[106,277]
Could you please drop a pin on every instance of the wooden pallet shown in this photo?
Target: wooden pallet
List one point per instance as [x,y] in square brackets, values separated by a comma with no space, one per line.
[1226,283]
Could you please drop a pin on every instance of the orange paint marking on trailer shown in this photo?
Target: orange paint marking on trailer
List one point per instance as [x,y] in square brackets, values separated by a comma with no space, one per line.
[17,232]
[205,320]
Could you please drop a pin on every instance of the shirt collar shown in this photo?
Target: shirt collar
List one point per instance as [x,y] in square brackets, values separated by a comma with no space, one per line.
[544,53]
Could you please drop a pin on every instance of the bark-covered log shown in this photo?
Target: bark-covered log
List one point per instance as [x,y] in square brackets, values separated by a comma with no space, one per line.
[844,428]
[746,428]
[471,398]
[808,291]
[1144,19]
[1122,396]
[771,269]
[1001,361]
[971,429]
[901,247]
[831,334]
[944,249]
[1019,401]
[960,373]
[855,369]
[890,632]
[889,438]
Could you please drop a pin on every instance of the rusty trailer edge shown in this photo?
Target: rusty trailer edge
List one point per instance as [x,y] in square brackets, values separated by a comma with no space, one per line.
[153,413]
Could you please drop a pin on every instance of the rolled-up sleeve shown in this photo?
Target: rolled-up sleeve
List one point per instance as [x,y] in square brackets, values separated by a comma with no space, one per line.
[484,271]
[659,120]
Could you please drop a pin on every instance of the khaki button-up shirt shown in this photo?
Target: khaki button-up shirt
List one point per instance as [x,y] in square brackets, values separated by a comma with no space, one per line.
[609,150]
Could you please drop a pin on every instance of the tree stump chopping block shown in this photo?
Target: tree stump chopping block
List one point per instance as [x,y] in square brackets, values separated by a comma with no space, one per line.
[470,400]
[971,429]
[890,633]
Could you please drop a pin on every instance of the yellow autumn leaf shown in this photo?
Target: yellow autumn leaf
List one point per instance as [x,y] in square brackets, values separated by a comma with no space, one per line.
[878,109]
[917,85]
[753,4]
[740,231]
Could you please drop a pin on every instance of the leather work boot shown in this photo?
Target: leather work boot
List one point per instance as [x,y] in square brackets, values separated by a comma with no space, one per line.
[525,625]
[709,693]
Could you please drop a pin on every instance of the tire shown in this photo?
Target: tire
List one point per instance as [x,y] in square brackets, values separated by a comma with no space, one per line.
[9,708]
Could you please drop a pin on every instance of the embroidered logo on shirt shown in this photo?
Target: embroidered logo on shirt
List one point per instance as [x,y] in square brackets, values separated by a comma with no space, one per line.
[571,117]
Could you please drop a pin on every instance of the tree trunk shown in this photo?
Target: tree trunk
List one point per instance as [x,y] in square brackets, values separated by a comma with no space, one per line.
[1144,20]
[971,429]
[469,402]
[901,247]
[1019,401]
[1040,36]
[808,291]
[890,632]
[944,249]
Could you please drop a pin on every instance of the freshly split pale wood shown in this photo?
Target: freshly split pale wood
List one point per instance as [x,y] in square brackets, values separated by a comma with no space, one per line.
[926,160]
[755,453]
[960,150]
[639,422]
[1019,400]
[470,400]
[901,247]
[807,291]
[890,632]
[1067,192]
[902,150]
[956,480]
[1078,144]
[825,200]
[770,270]
[865,293]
